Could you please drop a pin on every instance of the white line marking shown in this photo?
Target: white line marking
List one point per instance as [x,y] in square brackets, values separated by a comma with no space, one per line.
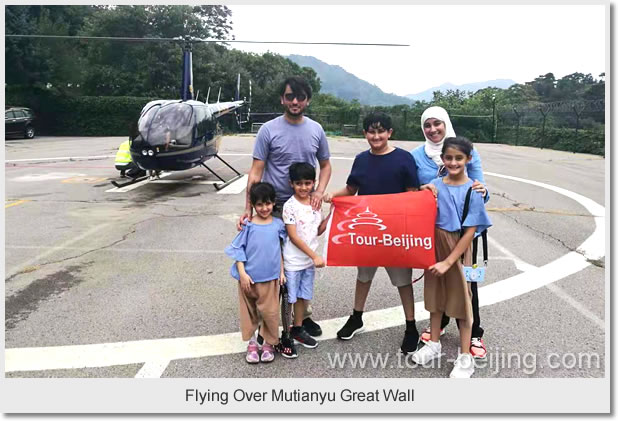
[519,264]
[157,350]
[71,158]
[594,246]
[51,250]
[152,370]
[230,217]
[236,187]
[121,250]
[136,185]
[577,305]
[184,182]
[47,176]
[510,259]
[523,266]
[248,154]
[61,158]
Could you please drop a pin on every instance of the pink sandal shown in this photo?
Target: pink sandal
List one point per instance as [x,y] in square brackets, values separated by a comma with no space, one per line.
[268,353]
[252,353]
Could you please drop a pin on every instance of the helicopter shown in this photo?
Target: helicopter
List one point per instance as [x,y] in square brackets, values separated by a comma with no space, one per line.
[176,135]
[180,134]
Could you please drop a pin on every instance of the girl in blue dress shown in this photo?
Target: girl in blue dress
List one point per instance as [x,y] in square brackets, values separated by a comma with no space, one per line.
[446,290]
[258,268]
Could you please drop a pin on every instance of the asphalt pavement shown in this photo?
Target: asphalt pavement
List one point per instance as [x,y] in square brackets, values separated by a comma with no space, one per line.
[108,283]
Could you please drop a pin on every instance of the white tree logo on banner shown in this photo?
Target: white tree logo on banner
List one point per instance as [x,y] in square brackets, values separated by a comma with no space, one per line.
[366,217]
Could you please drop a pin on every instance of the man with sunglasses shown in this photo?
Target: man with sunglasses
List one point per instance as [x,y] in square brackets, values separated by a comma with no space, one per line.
[282,141]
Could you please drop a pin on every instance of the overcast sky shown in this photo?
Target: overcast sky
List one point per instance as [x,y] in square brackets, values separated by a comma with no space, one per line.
[448,43]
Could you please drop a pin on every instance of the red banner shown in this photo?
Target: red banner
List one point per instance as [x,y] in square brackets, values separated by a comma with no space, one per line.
[394,230]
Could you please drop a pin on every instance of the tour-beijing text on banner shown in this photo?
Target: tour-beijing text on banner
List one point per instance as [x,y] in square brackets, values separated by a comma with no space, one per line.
[394,230]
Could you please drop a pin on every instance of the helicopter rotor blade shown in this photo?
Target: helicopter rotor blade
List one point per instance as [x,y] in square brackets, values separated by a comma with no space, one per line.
[131,39]
[310,43]
[180,39]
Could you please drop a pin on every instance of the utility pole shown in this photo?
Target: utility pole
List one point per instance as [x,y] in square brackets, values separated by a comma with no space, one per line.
[495,117]
[544,114]
[577,116]
[518,120]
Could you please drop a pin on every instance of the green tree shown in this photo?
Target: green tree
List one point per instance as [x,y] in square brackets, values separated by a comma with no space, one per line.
[43,62]
[545,86]
[146,68]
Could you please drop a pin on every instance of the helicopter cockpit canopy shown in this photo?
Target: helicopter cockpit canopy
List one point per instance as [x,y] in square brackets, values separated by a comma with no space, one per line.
[169,125]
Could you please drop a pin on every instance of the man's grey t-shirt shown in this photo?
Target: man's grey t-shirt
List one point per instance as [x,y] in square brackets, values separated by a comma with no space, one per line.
[280,144]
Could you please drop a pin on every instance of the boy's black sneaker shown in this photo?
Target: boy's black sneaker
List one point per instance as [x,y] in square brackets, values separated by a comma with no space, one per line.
[410,341]
[351,327]
[300,335]
[286,347]
[312,327]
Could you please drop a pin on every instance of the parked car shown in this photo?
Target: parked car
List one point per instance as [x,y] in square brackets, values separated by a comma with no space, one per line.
[19,121]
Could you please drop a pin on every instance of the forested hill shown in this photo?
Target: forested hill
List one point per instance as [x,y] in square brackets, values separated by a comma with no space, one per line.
[427,95]
[342,84]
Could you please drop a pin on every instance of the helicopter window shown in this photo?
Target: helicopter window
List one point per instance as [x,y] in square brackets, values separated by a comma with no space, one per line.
[205,123]
[145,120]
[170,126]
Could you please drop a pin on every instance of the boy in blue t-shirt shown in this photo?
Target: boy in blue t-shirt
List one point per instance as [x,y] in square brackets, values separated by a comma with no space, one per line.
[383,169]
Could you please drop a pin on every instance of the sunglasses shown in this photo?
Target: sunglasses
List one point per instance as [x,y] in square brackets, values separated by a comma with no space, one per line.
[299,97]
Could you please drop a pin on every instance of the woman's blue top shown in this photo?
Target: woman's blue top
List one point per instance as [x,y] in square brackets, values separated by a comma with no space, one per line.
[428,170]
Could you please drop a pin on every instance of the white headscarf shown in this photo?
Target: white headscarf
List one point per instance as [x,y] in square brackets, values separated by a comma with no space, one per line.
[432,149]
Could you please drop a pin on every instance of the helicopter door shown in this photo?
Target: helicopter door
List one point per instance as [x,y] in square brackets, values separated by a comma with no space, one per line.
[169,126]
[206,124]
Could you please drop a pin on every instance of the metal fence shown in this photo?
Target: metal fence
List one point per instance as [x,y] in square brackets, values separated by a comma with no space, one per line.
[576,126]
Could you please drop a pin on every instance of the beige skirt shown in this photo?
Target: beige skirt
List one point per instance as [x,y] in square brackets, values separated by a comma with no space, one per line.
[449,293]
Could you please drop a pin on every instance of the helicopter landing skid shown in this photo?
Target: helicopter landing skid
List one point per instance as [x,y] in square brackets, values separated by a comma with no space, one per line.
[219,186]
[128,183]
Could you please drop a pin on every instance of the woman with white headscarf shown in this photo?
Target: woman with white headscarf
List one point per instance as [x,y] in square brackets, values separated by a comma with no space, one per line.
[436,126]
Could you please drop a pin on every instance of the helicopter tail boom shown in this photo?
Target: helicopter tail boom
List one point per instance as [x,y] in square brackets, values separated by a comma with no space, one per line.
[221,108]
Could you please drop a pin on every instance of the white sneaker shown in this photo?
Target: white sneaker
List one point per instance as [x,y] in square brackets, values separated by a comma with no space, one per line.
[427,353]
[464,367]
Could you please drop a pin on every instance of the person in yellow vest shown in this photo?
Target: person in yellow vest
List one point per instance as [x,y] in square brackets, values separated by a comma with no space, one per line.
[124,163]
[123,158]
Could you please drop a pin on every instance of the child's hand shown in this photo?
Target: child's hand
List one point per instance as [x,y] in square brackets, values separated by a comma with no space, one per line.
[318,261]
[327,198]
[246,282]
[439,268]
[282,278]
[430,187]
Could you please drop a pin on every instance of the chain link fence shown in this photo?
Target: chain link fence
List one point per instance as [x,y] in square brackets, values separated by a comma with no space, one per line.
[575,126]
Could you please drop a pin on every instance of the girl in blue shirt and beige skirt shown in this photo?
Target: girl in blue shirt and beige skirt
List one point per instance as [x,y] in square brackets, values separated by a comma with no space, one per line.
[446,289]
[258,268]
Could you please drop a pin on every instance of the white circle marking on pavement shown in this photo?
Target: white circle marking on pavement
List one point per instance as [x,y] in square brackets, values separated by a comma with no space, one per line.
[157,353]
